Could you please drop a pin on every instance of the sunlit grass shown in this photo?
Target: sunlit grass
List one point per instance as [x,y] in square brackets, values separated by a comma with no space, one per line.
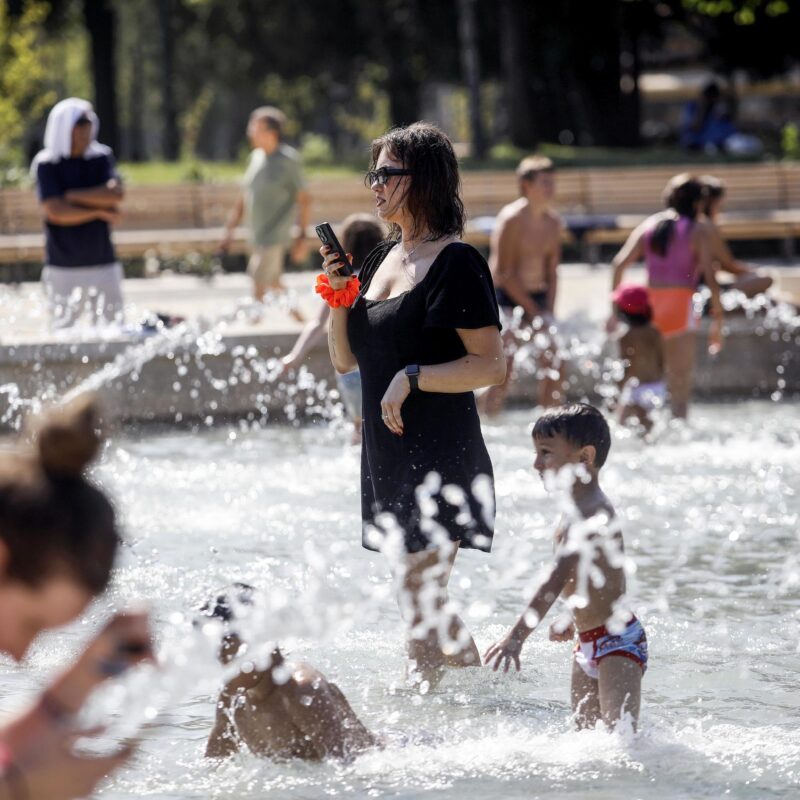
[163,172]
[501,157]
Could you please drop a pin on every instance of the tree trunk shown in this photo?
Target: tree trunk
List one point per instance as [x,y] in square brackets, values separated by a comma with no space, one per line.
[171,143]
[136,145]
[630,117]
[101,23]
[515,67]
[404,96]
[471,68]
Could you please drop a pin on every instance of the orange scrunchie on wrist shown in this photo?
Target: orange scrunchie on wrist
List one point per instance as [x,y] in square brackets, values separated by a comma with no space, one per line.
[337,298]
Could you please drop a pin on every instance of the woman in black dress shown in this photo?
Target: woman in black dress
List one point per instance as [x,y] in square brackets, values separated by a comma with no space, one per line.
[425,333]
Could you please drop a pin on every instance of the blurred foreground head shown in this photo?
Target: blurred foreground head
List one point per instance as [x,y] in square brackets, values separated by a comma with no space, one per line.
[58,533]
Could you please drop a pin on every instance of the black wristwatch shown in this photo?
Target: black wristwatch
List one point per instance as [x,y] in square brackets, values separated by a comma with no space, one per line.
[412,371]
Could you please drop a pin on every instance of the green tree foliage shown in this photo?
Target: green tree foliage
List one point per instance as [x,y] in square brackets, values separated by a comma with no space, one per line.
[25,85]
[744,12]
[190,71]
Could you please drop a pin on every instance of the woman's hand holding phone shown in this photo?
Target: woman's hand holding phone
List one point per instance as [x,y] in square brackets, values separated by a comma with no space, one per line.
[332,263]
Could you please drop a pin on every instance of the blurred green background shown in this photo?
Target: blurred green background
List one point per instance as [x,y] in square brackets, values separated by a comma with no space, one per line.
[588,83]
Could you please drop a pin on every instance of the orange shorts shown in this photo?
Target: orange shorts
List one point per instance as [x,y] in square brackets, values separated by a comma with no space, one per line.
[673,310]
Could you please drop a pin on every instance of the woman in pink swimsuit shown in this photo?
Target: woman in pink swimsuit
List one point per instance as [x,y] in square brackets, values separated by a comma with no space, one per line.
[676,248]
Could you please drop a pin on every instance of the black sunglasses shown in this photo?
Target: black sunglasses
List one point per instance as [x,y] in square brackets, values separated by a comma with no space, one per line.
[381,176]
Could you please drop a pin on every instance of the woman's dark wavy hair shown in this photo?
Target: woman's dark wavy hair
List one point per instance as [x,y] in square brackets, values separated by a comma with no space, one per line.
[683,195]
[433,197]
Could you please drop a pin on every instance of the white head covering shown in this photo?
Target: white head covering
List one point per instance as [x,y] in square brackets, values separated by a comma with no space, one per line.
[58,132]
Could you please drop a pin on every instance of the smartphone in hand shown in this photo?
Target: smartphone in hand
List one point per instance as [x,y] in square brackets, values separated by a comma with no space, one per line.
[328,237]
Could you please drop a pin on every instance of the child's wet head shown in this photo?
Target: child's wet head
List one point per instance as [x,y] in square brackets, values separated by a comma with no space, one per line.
[226,607]
[553,452]
[572,434]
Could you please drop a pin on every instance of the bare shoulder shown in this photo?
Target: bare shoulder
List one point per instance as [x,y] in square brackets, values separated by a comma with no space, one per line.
[627,338]
[703,229]
[553,219]
[508,226]
[305,677]
[650,223]
[512,212]
[653,334]
[598,509]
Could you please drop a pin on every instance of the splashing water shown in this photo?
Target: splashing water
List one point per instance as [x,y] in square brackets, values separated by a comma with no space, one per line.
[710,522]
[710,519]
[189,345]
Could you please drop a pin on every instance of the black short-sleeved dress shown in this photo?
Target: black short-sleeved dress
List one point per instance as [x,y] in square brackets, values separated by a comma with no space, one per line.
[436,479]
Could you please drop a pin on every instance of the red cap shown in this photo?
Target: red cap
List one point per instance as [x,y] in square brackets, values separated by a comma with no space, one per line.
[632,299]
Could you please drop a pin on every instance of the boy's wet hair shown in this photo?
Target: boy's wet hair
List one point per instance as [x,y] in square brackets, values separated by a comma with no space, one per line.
[580,424]
[224,605]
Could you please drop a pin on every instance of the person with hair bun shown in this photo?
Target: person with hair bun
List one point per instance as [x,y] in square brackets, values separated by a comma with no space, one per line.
[424,330]
[58,542]
[676,247]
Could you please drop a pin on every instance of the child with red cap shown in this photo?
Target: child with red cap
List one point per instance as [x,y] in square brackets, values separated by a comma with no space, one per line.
[641,348]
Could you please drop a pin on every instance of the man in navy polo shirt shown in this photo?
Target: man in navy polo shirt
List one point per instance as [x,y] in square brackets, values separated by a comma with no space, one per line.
[80,194]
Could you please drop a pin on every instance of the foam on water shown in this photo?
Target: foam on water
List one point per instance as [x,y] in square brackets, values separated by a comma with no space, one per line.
[710,519]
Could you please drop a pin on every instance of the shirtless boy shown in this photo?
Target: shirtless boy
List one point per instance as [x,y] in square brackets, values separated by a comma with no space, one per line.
[641,348]
[285,710]
[611,654]
[525,253]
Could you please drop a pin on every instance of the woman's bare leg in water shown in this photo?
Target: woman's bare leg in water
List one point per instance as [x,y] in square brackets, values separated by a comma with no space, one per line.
[679,358]
[437,637]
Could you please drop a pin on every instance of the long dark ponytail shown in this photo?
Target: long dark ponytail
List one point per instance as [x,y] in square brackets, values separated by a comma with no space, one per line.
[682,194]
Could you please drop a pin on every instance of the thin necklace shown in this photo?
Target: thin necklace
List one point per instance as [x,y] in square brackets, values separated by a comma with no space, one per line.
[405,258]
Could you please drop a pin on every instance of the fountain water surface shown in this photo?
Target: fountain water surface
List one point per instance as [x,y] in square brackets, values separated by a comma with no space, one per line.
[710,516]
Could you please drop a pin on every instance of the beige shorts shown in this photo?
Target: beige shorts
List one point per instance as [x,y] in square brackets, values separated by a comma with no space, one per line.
[265,266]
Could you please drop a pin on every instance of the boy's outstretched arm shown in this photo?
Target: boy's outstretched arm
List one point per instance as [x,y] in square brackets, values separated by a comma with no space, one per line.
[508,649]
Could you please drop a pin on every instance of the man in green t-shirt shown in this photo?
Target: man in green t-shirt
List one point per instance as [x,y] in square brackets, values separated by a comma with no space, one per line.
[273,196]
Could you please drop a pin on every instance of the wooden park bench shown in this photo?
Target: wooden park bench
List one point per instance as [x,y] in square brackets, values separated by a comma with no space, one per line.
[762,201]
[600,206]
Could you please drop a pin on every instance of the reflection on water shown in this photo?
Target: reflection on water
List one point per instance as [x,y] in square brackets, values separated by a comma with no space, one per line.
[711,519]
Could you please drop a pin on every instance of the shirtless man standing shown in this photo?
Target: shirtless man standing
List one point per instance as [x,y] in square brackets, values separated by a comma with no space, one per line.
[525,253]
[285,710]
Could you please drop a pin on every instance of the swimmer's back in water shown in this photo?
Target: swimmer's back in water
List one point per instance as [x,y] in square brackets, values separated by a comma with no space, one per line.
[285,710]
